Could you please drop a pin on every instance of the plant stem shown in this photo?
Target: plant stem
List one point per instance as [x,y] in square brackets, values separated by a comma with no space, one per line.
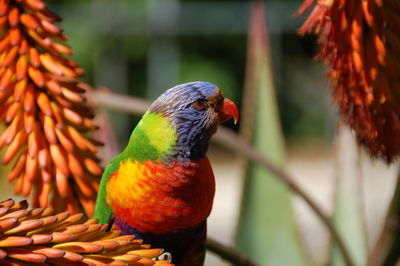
[228,253]
[232,141]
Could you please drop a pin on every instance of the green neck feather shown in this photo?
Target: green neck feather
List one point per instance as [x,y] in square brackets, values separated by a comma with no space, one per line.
[152,139]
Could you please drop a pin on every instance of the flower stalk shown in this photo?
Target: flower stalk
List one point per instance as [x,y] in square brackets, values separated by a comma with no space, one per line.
[44,110]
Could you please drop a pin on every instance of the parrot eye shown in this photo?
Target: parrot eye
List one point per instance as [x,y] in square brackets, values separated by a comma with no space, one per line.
[200,104]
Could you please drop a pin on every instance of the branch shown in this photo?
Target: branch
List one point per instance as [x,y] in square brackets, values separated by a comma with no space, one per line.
[232,141]
[120,102]
[228,253]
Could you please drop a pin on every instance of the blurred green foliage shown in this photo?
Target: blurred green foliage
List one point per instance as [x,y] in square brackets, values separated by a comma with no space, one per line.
[219,58]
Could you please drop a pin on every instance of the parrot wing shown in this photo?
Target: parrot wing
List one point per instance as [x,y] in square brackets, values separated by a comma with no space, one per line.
[103,211]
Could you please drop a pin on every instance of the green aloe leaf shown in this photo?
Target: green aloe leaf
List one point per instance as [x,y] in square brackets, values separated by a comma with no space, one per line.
[267,230]
[348,214]
[385,251]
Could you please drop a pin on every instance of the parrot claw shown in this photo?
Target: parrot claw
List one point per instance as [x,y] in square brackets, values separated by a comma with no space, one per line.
[165,256]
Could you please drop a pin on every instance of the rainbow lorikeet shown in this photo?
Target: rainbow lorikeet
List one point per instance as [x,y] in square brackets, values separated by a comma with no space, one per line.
[161,187]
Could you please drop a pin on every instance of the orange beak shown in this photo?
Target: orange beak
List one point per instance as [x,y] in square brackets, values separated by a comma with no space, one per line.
[228,110]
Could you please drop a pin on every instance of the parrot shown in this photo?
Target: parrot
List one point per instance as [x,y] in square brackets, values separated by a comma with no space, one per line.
[161,187]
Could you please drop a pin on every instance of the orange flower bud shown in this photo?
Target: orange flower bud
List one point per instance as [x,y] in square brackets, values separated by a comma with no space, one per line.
[42,105]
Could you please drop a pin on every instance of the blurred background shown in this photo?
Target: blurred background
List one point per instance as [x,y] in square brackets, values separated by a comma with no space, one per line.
[143,47]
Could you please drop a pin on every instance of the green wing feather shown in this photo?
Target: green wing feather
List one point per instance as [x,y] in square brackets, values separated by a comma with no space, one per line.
[145,143]
[103,211]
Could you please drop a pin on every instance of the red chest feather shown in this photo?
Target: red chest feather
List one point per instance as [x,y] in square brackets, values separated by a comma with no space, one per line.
[154,198]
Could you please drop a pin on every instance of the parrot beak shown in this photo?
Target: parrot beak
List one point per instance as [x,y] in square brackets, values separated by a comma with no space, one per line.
[228,110]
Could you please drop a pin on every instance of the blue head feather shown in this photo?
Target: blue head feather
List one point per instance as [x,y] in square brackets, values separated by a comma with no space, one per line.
[194,126]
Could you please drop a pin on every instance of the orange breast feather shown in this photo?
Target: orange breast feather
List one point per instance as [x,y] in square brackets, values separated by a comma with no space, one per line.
[155,198]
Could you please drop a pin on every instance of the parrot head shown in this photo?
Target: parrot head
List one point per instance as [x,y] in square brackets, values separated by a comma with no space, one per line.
[195,110]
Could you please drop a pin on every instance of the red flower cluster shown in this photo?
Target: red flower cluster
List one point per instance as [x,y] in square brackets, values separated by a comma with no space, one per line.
[360,42]
[43,106]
